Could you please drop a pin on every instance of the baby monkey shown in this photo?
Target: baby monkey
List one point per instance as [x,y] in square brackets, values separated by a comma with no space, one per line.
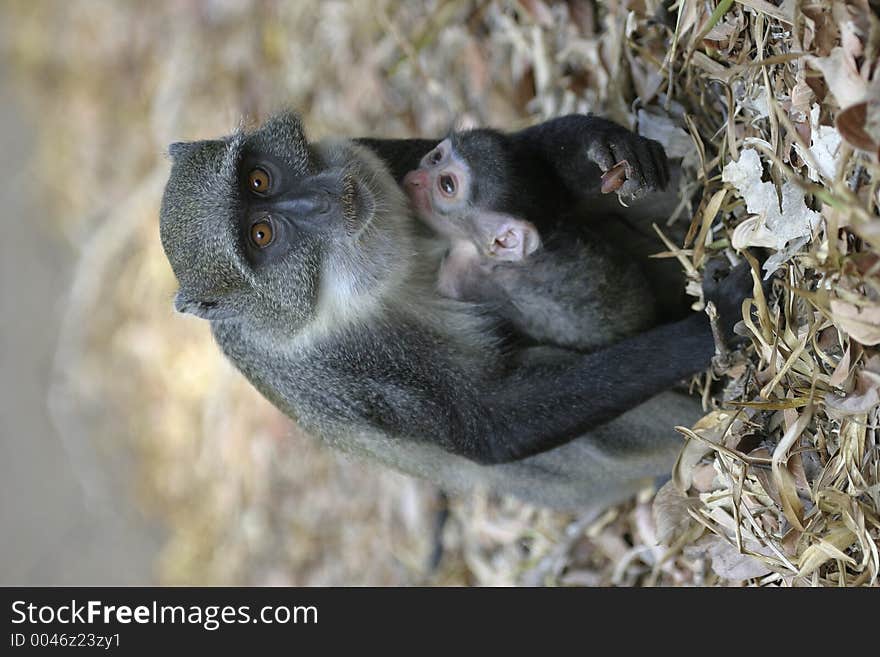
[560,286]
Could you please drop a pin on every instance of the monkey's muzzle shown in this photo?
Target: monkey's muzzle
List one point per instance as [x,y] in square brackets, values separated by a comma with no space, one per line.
[211,310]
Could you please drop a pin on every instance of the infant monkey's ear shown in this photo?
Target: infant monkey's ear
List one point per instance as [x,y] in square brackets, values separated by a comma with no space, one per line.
[505,237]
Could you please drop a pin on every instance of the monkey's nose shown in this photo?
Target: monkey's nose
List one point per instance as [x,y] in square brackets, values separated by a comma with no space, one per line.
[305,203]
[417,178]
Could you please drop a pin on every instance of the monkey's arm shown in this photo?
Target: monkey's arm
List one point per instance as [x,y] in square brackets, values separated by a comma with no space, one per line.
[539,404]
[578,148]
[411,389]
[539,407]
[400,155]
[534,405]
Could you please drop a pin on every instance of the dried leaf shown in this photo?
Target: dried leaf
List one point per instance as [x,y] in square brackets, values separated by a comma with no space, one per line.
[675,140]
[824,149]
[842,76]
[704,477]
[851,124]
[709,214]
[789,226]
[726,561]
[862,399]
[711,428]
[825,549]
[670,511]
[841,372]
[861,322]
[785,484]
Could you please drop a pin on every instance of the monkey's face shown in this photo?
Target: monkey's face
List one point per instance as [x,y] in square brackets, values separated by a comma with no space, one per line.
[440,190]
[261,225]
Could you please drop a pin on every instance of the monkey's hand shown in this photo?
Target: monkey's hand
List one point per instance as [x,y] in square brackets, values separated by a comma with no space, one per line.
[580,148]
[727,289]
[616,150]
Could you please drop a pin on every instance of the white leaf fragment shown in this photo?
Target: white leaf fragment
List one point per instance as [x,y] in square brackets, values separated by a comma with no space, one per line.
[824,149]
[785,229]
[755,101]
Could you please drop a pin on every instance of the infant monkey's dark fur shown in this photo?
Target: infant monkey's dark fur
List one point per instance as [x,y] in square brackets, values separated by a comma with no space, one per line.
[573,292]
[550,177]
[563,285]
[305,258]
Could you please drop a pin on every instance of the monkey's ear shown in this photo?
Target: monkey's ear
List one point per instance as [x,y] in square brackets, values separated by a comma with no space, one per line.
[179,148]
[514,239]
[531,239]
[287,125]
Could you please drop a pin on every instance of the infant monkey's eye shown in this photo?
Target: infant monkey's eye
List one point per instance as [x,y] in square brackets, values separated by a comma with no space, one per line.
[447,184]
[262,234]
[259,180]
[435,156]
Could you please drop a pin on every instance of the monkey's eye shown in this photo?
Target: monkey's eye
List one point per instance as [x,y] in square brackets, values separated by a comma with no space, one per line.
[447,184]
[262,234]
[259,180]
[435,156]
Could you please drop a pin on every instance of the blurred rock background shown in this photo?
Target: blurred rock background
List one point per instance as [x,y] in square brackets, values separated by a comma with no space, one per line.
[52,533]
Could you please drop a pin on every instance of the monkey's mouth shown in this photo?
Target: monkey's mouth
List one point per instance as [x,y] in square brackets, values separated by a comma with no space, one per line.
[420,200]
[207,309]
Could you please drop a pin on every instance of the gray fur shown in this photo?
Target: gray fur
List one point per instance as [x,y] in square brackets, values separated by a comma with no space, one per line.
[346,334]
[577,294]
[562,285]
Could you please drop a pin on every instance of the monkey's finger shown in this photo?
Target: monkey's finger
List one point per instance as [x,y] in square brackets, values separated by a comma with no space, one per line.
[600,152]
[624,150]
[653,172]
[652,176]
[659,163]
[632,189]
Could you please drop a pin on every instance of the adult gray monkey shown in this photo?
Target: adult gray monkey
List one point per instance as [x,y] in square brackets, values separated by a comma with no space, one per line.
[319,287]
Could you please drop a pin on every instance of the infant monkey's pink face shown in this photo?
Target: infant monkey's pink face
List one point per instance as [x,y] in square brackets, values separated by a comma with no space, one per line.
[439,189]
[416,184]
